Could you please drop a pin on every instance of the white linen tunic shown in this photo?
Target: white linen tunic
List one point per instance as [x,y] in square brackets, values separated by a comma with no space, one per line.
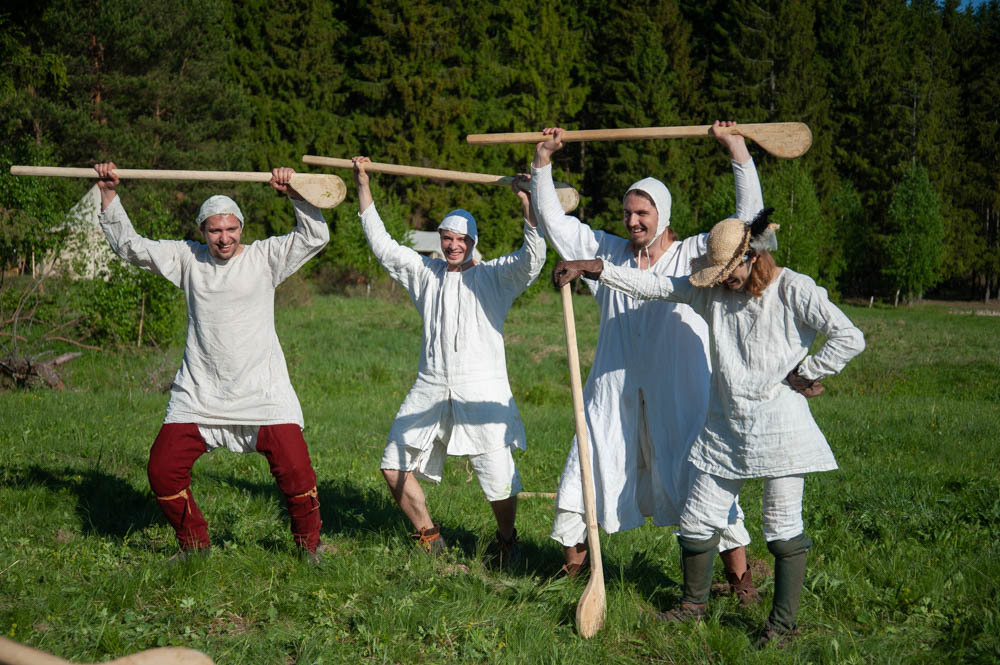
[462,362]
[650,369]
[758,425]
[233,371]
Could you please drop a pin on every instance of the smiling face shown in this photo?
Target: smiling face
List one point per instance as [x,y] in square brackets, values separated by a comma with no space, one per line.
[222,235]
[641,219]
[456,247]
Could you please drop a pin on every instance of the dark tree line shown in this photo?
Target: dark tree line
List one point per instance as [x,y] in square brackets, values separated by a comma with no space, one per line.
[898,196]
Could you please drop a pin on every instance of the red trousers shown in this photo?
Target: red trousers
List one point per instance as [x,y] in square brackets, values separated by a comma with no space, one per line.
[178,445]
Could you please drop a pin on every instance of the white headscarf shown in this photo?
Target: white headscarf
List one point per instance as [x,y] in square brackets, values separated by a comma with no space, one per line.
[661,200]
[220,204]
[461,221]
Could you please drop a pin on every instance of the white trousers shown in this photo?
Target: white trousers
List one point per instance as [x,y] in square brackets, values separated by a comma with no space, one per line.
[707,509]
[570,529]
[495,470]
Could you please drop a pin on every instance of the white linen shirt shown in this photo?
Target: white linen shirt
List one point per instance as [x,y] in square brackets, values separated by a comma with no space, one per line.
[462,362]
[233,371]
[650,370]
[757,424]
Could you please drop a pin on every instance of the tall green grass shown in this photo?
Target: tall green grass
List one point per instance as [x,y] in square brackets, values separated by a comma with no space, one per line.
[904,569]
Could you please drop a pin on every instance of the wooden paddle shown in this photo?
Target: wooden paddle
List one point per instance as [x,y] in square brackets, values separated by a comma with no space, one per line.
[781,139]
[321,190]
[569,198]
[591,608]
[14,653]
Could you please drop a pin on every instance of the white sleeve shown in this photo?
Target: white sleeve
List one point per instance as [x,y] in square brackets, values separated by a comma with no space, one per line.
[570,237]
[646,285]
[521,268]
[844,340]
[161,257]
[749,198]
[288,253]
[402,263]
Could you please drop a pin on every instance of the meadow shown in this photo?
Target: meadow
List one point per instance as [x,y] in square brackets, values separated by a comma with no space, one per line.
[904,569]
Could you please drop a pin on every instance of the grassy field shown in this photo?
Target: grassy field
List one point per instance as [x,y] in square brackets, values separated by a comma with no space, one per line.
[904,569]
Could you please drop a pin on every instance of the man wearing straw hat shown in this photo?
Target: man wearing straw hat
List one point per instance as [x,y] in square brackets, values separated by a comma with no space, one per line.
[762,321]
[647,392]
[232,389]
[461,402]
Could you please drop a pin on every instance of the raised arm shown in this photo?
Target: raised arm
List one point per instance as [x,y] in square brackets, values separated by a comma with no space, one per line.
[289,252]
[161,257]
[749,198]
[571,238]
[401,262]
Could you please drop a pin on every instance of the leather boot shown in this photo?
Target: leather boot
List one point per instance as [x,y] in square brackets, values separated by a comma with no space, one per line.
[789,573]
[740,584]
[697,561]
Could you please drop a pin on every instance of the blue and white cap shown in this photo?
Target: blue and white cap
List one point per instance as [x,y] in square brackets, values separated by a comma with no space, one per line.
[460,221]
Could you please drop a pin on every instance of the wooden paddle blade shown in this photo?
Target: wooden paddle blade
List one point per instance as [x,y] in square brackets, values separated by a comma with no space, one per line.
[320,189]
[569,198]
[787,140]
[590,611]
[165,656]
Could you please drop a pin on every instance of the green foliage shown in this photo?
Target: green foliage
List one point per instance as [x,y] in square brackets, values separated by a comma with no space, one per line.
[807,241]
[33,220]
[913,244]
[253,85]
[127,297]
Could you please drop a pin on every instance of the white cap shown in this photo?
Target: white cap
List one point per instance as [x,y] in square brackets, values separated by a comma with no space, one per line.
[220,204]
[460,221]
[661,200]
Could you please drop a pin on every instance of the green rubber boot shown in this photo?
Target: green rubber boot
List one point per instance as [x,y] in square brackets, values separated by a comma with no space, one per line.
[789,572]
[697,561]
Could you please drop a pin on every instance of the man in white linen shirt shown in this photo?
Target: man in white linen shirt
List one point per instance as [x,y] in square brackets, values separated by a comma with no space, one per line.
[461,402]
[647,392]
[232,389]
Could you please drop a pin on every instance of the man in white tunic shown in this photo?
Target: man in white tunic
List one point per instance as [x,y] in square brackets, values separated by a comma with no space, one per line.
[647,392]
[762,321]
[232,389]
[461,402]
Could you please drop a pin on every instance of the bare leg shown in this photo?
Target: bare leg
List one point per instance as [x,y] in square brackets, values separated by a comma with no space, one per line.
[409,496]
[735,561]
[505,511]
[575,556]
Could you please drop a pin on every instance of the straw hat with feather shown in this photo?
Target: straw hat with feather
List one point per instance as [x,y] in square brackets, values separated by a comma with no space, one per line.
[728,243]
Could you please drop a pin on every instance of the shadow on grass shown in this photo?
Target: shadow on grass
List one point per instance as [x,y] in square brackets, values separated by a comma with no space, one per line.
[106,505]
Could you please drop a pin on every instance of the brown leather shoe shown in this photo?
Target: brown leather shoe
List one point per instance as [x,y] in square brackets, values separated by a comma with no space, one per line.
[685,612]
[321,550]
[430,540]
[743,588]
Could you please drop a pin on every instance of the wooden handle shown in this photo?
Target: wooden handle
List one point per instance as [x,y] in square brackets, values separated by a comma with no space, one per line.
[323,191]
[590,611]
[417,171]
[569,198]
[781,139]
[144,174]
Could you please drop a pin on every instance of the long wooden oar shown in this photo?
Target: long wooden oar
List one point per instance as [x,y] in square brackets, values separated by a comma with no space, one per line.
[781,139]
[321,190]
[569,198]
[14,653]
[591,608]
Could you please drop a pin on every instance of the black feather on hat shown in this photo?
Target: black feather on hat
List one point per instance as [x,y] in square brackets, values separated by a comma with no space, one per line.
[760,222]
